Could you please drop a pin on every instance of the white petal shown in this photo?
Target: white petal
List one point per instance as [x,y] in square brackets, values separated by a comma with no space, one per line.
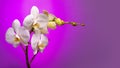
[10,36]
[42,49]
[42,19]
[34,11]
[43,42]
[34,41]
[35,51]
[37,31]
[44,30]
[28,21]
[41,31]
[24,35]
[16,24]
[44,39]
[15,45]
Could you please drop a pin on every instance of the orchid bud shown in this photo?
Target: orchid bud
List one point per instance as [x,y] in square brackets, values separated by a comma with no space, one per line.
[74,23]
[59,21]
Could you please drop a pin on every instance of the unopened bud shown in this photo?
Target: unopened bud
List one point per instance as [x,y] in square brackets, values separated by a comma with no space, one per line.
[59,21]
[51,25]
[82,24]
[45,12]
[74,23]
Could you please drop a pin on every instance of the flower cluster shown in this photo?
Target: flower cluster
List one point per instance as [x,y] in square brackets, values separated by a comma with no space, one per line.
[37,24]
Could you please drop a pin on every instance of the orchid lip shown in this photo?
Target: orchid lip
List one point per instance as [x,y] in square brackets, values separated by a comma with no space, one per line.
[35,25]
[17,38]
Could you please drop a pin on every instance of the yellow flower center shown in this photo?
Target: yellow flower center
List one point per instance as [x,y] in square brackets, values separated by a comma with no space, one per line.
[35,25]
[17,38]
[41,46]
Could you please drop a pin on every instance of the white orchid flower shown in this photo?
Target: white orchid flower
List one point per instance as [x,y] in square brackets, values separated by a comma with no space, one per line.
[35,20]
[17,34]
[38,42]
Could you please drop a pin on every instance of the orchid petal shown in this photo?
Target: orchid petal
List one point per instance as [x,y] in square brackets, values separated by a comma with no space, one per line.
[34,42]
[44,30]
[35,51]
[24,35]
[34,11]
[28,21]
[43,42]
[10,37]
[16,24]
[44,39]
[42,19]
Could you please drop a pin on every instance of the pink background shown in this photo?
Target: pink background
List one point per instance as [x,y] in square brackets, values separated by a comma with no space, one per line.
[97,45]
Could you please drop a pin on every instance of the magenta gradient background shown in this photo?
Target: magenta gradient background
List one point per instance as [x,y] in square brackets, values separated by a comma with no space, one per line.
[97,45]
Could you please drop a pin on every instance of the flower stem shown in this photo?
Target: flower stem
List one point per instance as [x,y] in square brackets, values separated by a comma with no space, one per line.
[27,59]
[33,57]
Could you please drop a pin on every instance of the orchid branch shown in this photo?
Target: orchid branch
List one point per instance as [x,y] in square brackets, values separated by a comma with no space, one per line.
[27,59]
[36,25]
[33,57]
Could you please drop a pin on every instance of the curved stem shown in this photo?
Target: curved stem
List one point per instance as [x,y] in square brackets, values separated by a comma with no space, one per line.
[33,57]
[27,59]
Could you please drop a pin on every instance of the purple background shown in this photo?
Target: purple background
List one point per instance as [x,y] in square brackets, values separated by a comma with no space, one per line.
[97,45]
